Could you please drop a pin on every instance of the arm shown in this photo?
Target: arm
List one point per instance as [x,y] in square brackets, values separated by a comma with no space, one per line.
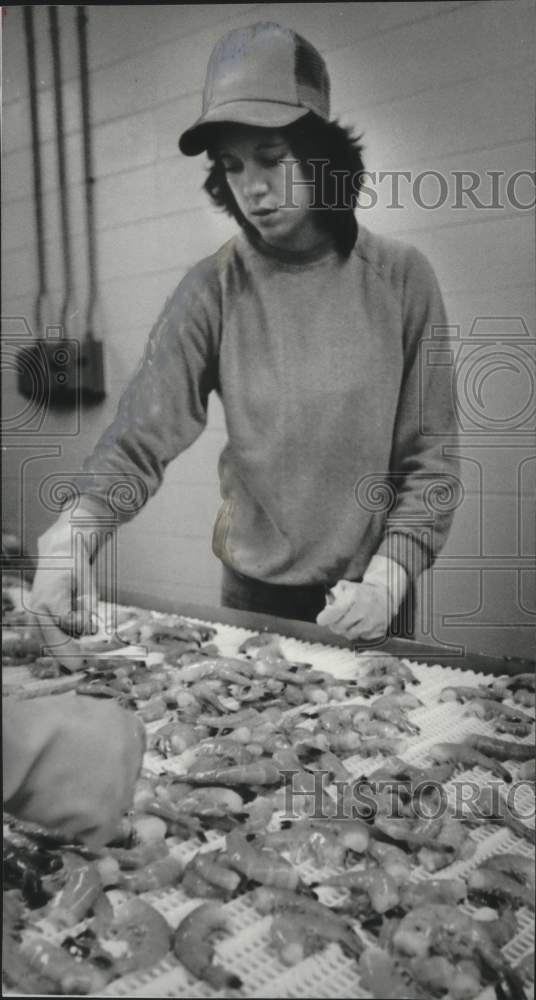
[423,476]
[70,764]
[162,411]
[164,407]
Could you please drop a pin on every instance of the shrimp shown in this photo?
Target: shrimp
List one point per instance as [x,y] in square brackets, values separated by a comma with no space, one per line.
[432,890]
[372,746]
[329,762]
[234,720]
[207,875]
[216,753]
[247,691]
[389,708]
[224,668]
[464,755]
[524,697]
[515,683]
[437,840]
[313,922]
[345,742]
[138,856]
[416,779]
[70,976]
[337,725]
[506,719]
[262,772]
[173,738]
[77,897]
[435,973]
[153,709]
[374,683]
[325,841]
[500,749]
[302,843]
[490,805]
[192,946]
[296,936]
[164,871]
[264,866]
[206,693]
[527,770]
[400,700]
[465,693]
[393,860]
[265,644]
[379,974]
[178,823]
[444,930]
[488,884]
[212,801]
[379,886]
[171,628]
[384,663]
[383,729]
[526,968]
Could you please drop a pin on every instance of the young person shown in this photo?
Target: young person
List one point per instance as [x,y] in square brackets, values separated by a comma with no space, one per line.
[311,329]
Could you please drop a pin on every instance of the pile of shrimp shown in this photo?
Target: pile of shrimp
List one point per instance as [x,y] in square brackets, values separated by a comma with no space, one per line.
[236,747]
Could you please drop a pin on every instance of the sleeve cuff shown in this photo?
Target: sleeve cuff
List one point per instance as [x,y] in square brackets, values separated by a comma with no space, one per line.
[407,551]
[392,576]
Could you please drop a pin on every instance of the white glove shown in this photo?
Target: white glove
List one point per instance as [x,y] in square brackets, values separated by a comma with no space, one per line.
[63,598]
[365,610]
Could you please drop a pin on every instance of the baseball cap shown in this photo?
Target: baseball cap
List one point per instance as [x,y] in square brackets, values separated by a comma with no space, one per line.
[264,75]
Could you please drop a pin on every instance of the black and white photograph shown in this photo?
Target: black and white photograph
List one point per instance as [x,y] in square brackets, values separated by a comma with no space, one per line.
[268,507]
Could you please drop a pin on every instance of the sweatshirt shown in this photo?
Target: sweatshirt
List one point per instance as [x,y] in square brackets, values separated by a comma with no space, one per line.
[337,415]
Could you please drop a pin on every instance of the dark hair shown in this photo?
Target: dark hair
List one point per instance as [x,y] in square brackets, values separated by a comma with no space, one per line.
[337,182]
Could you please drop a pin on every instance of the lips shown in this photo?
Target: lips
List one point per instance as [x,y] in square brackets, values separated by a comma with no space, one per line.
[263,212]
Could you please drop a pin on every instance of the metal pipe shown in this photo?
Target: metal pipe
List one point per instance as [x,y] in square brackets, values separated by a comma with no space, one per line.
[62,170]
[81,23]
[42,294]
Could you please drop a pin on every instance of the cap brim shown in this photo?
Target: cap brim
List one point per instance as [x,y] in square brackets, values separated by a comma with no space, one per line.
[264,114]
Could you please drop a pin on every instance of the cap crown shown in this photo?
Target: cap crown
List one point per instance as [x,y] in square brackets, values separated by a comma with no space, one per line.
[268,63]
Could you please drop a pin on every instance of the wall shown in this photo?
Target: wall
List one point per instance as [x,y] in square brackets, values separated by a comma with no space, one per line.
[434,87]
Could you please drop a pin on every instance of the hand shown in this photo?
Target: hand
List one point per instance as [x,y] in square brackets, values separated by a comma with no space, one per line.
[71,764]
[64,594]
[365,610]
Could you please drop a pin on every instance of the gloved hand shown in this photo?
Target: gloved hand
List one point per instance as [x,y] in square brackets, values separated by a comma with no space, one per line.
[71,763]
[365,610]
[63,599]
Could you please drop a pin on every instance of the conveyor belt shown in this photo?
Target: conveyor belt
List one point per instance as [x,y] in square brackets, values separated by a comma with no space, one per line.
[245,949]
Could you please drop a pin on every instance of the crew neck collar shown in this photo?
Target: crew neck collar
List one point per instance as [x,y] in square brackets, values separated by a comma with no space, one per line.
[297,257]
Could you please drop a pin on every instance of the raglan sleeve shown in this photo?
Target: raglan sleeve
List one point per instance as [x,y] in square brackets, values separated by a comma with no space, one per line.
[164,407]
[424,468]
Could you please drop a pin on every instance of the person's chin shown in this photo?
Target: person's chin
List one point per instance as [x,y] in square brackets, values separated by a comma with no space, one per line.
[266,223]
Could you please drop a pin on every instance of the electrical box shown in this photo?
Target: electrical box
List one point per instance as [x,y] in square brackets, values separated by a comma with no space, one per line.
[61,373]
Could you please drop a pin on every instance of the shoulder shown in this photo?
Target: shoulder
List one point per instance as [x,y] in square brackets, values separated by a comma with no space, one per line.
[397,263]
[202,282]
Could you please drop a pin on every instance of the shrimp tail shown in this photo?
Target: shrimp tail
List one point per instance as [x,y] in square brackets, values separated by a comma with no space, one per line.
[500,749]
[508,982]
[191,945]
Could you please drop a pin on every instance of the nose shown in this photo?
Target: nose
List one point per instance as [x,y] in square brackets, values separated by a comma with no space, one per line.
[255,182]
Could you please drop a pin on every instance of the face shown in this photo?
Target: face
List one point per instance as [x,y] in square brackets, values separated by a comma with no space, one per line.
[262,172]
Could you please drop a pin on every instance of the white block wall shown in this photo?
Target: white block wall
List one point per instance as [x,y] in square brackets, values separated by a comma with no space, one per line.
[433,87]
